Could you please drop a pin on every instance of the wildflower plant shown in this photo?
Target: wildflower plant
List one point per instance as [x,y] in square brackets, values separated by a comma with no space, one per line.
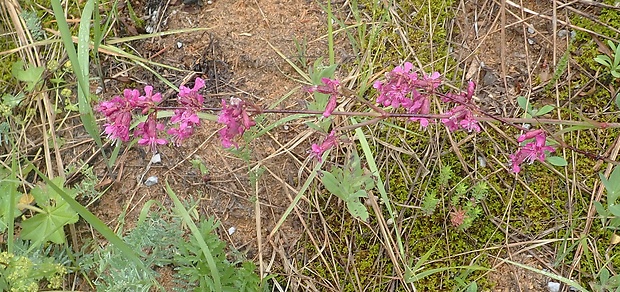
[402,93]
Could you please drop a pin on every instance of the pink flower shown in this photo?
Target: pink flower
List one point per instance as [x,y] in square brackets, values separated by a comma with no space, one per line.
[432,81]
[117,112]
[180,134]
[236,120]
[331,106]
[329,142]
[148,130]
[190,97]
[192,102]
[461,117]
[148,100]
[330,86]
[531,151]
[403,88]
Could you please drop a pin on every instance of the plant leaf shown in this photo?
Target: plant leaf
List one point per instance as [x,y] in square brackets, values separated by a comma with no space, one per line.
[522,101]
[30,75]
[556,160]
[544,110]
[48,226]
[357,209]
[332,184]
[614,210]
[612,185]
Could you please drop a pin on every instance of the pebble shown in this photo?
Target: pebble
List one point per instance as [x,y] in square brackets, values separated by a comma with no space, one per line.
[151,180]
[530,30]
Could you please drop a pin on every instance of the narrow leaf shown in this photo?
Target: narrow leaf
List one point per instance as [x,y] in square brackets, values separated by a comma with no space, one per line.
[556,160]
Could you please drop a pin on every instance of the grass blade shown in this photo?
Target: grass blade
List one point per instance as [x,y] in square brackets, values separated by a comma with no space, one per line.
[180,209]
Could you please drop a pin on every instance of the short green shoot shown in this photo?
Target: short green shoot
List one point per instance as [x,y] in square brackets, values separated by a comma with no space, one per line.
[612,65]
[350,183]
[610,212]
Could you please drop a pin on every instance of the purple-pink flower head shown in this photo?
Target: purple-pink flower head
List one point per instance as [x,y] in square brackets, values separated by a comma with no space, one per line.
[318,149]
[236,120]
[148,100]
[461,117]
[398,88]
[432,81]
[421,106]
[117,112]
[463,97]
[531,151]
[190,97]
[330,86]
[148,132]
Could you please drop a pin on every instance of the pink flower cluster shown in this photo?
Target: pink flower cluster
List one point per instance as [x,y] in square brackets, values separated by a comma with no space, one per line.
[532,151]
[460,116]
[404,88]
[119,113]
[236,120]
[187,117]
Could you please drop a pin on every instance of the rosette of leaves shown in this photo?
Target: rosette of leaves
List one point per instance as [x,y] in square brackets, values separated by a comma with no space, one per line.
[350,183]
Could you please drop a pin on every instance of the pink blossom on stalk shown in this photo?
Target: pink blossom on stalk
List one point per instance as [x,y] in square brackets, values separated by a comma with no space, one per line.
[148,132]
[403,88]
[148,100]
[463,97]
[192,102]
[532,151]
[190,97]
[117,112]
[236,120]
[330,86]
[461,117]
[432,81]
[329,142]
[398,87]
[422,105]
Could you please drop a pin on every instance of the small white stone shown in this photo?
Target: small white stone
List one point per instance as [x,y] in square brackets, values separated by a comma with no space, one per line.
[99,90]
[209,2]
[482,161]
[562,33]
[530,30]
[553,287]
[530,41]
[231,230]
[179,45]
[156,158]
[151,180]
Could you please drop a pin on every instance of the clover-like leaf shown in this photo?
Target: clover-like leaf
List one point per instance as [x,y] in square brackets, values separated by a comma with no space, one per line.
[48,225]
[31,75]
